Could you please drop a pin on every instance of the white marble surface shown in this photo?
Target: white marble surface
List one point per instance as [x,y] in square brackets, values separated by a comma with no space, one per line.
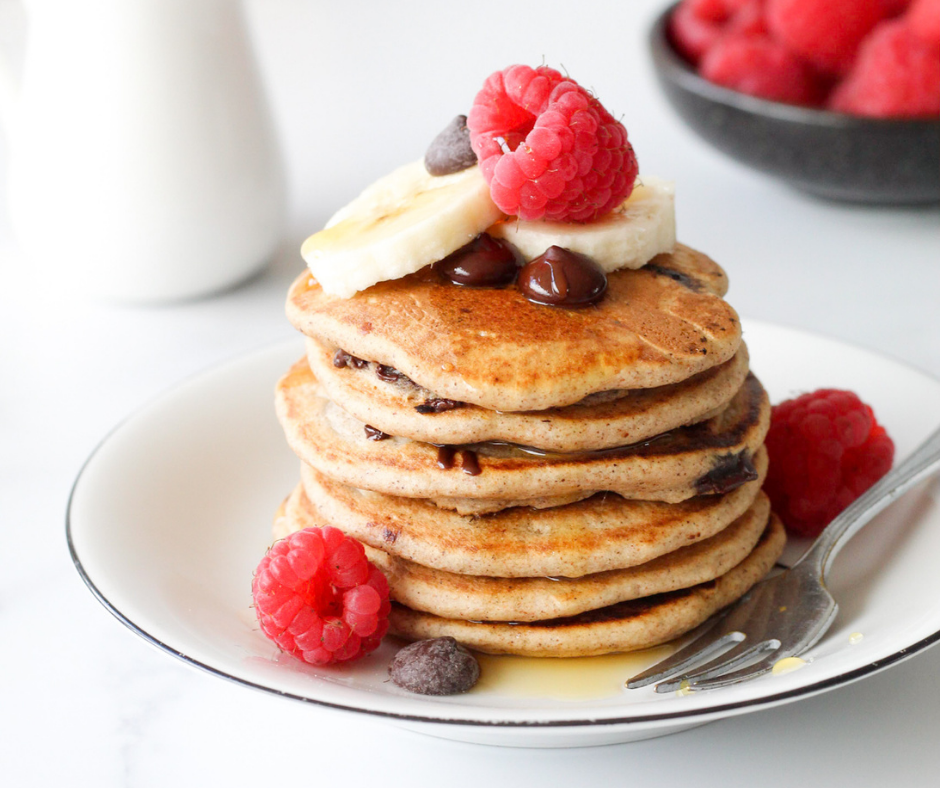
[83,702]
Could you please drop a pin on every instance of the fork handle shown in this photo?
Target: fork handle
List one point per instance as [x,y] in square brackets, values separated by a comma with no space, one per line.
[918,466]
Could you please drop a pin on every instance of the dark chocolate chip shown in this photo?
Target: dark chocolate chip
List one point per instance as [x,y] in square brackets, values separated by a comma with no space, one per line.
[484,262]
[440,666]
[729,473]
[374,434]
[445,457]
[388,374]
[437,405]
[469,463]
[450,151]
[677,276]
[343,359]
[560,277]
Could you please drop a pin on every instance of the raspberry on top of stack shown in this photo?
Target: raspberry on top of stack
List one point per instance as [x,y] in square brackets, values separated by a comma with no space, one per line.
[530,404]
[878,58]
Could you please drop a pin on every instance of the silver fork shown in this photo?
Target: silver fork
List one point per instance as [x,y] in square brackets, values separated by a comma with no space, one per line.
[786,614]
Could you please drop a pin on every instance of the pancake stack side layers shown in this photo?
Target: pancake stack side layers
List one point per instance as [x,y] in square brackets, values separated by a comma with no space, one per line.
[545,479]
[602,517]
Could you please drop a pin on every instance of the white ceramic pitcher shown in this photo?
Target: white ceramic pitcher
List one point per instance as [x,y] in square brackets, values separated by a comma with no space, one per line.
[143,162]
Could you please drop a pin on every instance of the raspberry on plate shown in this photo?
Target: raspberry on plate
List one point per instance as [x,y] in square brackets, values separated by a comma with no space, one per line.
[547,147]
[897,75]
[759,66]
[826,449]
[827,33]
[317,597]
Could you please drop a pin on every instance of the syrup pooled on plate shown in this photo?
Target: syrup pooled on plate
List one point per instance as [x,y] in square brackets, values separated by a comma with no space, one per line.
[566,678]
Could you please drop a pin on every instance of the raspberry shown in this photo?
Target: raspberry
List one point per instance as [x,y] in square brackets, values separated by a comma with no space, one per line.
[759,66]
[715,10]
[894,7]
[748,20]
[827,33]
[826,449]
[923,18]
[692,35]
[547,147]
[318,597]
[897,75]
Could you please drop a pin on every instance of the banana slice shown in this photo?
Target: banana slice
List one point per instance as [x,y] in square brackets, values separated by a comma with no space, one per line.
[631,236]
[398,225]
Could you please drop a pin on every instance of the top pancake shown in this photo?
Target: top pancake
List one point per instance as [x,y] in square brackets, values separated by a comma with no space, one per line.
[655,326]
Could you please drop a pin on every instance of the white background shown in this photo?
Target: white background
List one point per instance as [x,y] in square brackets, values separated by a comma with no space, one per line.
[356,89]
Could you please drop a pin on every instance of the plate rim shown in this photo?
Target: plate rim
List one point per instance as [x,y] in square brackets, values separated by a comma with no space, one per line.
[691,715]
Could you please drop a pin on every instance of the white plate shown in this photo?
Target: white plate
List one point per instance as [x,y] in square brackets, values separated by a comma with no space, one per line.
[172,512]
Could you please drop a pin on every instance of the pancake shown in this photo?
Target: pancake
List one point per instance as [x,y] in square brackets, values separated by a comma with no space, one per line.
[706,457]
[655,326]
[601,533]
[451,595]
[603,420]
[625,626]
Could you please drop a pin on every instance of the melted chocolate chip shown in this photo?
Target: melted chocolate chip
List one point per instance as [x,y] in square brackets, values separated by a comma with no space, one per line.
[469,463]
[445,457]
[374,434]
[729,473]
[437,405]
[677,276]
[343,359]
[435,667]
[450,150]
[484,262]
[388,374]
[560,277]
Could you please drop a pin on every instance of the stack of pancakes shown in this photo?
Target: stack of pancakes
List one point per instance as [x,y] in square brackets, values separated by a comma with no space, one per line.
[532,479]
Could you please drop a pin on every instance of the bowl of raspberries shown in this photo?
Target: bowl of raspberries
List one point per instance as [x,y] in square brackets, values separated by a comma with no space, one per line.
[840,98]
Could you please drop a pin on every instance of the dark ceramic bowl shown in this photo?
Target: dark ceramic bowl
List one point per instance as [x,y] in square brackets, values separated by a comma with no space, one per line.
[827,153]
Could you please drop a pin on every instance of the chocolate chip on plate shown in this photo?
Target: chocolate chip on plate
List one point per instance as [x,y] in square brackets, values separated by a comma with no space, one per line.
[560,277]
[440,666]
[450,150]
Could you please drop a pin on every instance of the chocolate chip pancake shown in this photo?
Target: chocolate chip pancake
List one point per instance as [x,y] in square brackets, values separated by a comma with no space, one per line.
[600,533]
[655,326]
[624,626]
[711,456]
[392,403]
[528,404]
[474,597]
